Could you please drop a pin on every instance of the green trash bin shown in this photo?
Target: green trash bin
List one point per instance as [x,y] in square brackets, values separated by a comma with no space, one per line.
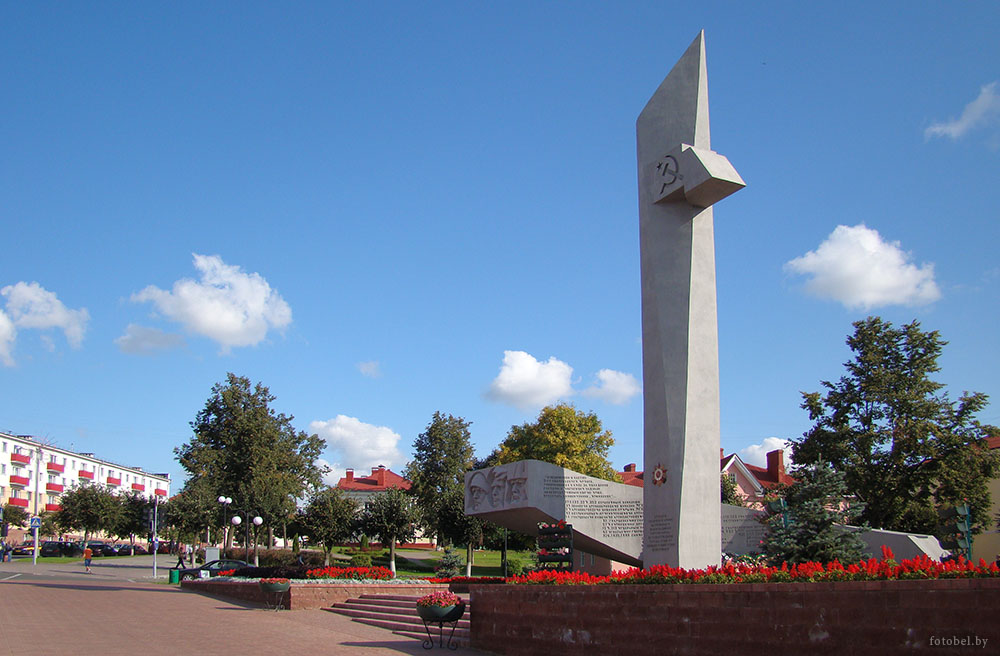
[175,576]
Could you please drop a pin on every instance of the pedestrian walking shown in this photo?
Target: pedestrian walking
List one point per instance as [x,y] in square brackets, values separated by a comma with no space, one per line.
[88,555]
[181,549]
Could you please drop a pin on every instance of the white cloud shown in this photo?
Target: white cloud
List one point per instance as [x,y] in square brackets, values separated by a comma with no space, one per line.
[756,454]
[855,267]
[370,369]
[335,473]
[226,305]
[142,340]
[29,305]
[359,445]
[527,383]
[981,111]
[614,387]
[7,335]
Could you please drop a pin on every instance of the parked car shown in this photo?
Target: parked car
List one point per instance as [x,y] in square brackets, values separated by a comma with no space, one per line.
[51,548]
[102,548]
[72,548]
[23,549]
[130,550]
[213,567]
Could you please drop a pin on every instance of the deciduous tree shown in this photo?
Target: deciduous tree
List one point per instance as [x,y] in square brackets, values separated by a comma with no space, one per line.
[245,450]
[88,508]
[390,516]
[441,456]
[329,518]
[14,516]
[563,436]
[905,448]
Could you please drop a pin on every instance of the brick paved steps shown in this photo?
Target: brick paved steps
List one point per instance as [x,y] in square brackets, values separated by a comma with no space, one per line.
[397,613]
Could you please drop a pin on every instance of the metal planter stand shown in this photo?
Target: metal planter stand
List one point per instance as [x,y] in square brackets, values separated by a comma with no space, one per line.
[274,595]
[452,617]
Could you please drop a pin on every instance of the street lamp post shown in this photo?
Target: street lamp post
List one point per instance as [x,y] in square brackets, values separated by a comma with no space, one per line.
[38,485]
[256,521]
[225,501]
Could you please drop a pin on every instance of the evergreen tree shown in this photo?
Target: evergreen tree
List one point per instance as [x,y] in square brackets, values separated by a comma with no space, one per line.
[805,530]
[905,448]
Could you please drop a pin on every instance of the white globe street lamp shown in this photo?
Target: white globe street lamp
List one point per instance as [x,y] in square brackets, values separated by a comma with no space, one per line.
[225,501]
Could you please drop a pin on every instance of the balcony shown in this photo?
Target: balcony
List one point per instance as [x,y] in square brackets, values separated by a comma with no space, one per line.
[53,487]
[23,503]
[139,487]
[22,458]
[89,475]
[52,507]
[55,467]
[160,492]
[19,480]
[114,481]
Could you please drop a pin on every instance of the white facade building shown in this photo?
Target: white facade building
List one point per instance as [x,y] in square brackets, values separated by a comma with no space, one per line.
[34,475]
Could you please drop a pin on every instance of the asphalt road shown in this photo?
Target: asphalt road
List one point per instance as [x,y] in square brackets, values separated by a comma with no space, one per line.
[106,568]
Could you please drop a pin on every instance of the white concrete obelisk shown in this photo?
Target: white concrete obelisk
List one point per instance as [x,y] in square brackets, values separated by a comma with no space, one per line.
[679,180]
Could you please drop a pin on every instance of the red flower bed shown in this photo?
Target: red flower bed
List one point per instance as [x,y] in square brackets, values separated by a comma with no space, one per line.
[872,569]
[356,573]
[467,579]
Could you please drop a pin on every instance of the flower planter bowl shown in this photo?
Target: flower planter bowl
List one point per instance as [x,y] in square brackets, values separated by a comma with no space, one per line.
[554,530]
[441,613]
[275,587]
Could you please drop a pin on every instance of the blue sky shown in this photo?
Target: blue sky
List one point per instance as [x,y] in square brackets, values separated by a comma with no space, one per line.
[381,210]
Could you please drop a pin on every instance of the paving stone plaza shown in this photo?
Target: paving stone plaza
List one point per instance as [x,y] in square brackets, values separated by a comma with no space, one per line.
[58,609]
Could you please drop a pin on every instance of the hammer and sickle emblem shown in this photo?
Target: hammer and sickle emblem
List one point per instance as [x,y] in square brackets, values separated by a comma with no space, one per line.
[668,171]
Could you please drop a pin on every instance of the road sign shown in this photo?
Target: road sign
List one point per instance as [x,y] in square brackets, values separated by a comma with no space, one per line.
[36,522]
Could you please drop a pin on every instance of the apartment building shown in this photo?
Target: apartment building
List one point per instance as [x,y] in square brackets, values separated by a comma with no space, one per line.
[34,475]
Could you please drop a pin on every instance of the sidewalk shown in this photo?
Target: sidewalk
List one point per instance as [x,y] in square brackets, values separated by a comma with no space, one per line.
[110,618]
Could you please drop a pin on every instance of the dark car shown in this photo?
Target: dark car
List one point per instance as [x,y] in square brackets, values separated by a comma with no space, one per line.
[102,549]
[72,548]
[130,550]
[51,548]
[213,567]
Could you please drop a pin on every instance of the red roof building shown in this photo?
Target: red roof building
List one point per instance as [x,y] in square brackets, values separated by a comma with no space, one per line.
[380,480]
[752,482]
